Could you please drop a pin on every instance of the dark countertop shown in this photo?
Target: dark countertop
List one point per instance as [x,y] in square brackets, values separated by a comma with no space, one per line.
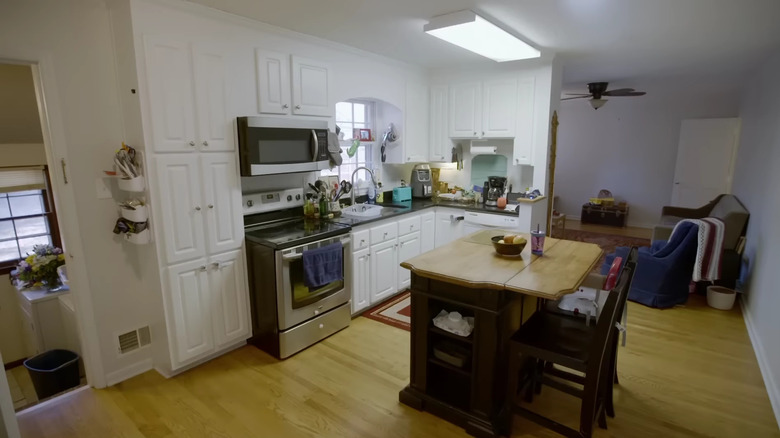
[394,209]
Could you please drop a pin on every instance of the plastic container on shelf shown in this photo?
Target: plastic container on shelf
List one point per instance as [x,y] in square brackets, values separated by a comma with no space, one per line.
[140,214]
[141,238]
[137,184]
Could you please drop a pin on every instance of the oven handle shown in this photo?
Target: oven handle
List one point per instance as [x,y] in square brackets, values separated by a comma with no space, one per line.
[315,146]
[296,255]
[293,256]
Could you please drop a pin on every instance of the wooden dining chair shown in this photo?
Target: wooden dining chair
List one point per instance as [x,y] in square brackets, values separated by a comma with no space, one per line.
[549,338]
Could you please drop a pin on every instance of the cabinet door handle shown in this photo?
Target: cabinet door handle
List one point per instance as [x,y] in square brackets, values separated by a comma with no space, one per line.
[475,133]
[211,206]
[202,269]
[197,207]
[285,106]
[297,107]
[483,133]
[192,143]
[65,174]
[215,265]
[205,143]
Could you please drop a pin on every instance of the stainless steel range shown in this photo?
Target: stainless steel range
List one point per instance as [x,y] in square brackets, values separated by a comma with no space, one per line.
[287,315]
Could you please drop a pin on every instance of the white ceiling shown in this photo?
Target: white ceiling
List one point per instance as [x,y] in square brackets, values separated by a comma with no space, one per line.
[610,40]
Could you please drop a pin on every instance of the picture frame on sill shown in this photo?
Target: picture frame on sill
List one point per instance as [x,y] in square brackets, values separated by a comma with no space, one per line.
[362,134]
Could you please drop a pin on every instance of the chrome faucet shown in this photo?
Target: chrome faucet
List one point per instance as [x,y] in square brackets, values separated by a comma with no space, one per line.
[352,180]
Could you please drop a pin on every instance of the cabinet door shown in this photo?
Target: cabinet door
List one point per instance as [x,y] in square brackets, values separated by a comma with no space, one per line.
[415,134]
[408,247]
[384,269]
[524,132]
[273,82]
[169,80]
[439,136]
[465,111]
[182,210]
[188,311]
[428,232]
[310,88]
[361,280]
[499,102]
[230,298]
[449,226]
[222,202]
[215,130]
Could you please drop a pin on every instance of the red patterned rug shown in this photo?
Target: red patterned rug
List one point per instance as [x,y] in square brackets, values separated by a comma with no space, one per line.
[396,312]
[607,242]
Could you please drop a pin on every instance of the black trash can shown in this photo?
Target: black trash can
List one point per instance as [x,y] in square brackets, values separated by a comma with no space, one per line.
[53,372]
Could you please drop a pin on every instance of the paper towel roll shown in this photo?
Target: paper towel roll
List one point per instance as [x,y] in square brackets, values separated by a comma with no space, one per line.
[483,150]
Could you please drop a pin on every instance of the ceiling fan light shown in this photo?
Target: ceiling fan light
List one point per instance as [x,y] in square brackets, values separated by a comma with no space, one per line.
[468,30]
[597,103]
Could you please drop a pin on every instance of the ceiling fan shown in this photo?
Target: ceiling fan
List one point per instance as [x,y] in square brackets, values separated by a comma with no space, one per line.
[598,89]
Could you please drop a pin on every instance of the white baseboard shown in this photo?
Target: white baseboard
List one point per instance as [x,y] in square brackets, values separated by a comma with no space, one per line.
[171,373]
[763,364]
[128,372]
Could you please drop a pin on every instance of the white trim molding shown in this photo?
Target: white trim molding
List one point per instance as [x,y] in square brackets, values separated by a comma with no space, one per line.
[128,372]
[763,363]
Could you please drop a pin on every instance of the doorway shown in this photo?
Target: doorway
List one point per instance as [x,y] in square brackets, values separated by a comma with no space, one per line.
[39,335]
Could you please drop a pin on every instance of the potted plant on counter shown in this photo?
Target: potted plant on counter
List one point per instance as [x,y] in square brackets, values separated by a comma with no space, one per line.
[39,268]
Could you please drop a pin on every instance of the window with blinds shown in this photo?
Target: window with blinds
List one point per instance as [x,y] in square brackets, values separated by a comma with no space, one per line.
[27,216]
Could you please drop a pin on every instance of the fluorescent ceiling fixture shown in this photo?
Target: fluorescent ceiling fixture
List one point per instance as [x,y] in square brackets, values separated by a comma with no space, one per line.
[472,32]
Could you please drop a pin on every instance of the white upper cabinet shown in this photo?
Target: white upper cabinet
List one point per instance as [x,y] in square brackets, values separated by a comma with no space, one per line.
[169,78]
[524,131]
[465,110]
[273,82]
[182,210]
[416,123]
[440,146]
[499,100]
[230,298]
[214,129]
[188,310]
[310,88]
[222,202]
[188,95]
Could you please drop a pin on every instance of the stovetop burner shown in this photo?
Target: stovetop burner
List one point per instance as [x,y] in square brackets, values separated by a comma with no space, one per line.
[293,232]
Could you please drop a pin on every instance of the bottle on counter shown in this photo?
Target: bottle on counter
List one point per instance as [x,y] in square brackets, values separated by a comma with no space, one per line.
[371,194]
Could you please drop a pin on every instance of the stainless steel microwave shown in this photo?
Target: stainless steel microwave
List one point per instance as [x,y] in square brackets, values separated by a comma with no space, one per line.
[271,145]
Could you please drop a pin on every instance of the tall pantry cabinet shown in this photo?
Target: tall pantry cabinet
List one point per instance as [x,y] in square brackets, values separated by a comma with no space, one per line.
[195,191]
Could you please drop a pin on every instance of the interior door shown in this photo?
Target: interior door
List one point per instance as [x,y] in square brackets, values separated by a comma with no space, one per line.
[361,280]
[408,247]
[439,138]
[8,425]
[182,209]
[465,110]
[273,82]
[499,101]
[310,88]
[384,268]
[230,298]
[215,127]
[169,80]
[705,160]
[222,202]
[189,308]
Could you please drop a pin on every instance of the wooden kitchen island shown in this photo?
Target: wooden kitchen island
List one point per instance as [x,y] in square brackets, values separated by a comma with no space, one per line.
[469,277]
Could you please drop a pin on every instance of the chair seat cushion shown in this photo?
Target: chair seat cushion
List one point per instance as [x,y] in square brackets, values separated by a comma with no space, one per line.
[556,338]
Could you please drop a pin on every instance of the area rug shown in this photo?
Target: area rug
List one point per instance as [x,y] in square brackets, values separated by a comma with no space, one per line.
[396,312]
[607,242]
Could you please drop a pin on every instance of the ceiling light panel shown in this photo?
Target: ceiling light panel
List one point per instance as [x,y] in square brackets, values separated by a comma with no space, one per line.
[468,30]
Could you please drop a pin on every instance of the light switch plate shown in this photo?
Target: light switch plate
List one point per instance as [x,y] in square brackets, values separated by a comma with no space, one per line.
[103,188]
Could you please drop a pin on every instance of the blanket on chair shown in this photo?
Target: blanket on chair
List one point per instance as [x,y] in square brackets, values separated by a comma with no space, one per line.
[710,249]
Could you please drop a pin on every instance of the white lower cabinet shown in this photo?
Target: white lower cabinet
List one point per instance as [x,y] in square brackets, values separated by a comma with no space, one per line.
[207,306]
[449,225]
[428,232]
[361,280]
[384,268]
[408,247]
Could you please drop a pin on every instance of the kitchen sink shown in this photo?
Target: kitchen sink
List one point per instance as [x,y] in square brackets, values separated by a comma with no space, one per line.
[362,211]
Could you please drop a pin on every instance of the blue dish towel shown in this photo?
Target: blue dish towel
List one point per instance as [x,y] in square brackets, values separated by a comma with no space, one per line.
[323,265]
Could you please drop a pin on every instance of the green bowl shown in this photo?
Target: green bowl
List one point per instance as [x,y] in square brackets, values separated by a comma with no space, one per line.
[511,249]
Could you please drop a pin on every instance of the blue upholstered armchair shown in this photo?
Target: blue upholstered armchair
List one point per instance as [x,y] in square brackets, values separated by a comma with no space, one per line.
[664,270]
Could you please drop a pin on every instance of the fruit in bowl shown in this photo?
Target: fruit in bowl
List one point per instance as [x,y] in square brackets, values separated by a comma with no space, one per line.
[509,244]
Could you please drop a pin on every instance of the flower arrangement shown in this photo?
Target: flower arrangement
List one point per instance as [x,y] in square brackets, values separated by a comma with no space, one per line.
[40,267]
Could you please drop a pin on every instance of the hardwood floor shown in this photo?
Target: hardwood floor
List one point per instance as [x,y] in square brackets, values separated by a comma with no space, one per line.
[644,233]
[686,372]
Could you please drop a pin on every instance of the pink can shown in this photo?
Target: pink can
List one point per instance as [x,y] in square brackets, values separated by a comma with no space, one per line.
[537,242]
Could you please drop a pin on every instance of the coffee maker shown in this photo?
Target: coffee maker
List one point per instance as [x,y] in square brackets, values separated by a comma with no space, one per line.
[496,185]
[421,181]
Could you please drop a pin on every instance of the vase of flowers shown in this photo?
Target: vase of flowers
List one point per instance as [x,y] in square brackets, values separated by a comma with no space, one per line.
[39,268]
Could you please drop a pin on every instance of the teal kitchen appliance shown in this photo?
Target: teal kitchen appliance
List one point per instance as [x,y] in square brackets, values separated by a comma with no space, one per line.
[401,194]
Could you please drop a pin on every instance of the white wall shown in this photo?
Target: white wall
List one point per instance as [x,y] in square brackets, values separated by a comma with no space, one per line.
[629,147]
[756,183]
[19,121]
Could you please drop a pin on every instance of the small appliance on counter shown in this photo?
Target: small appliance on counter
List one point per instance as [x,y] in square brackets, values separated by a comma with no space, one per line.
[401,194]
[422,186]
[496,186]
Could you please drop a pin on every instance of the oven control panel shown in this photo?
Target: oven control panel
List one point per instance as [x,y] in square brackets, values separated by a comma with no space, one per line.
[271,201]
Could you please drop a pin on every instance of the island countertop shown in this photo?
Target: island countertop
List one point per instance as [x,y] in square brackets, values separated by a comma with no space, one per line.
[472,262]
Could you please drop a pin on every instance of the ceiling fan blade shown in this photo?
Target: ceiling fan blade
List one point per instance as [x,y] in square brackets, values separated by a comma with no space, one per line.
[620,92]
[631,94]
[586,96]
[578,94]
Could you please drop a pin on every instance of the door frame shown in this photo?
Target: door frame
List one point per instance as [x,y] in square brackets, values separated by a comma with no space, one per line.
[10,428]
[56,148]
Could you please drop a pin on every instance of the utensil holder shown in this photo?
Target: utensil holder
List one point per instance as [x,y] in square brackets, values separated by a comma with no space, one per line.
[141,238]
[140,214]
[137,184]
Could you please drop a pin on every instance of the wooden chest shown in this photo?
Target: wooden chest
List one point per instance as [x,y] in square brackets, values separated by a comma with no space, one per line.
[597,214]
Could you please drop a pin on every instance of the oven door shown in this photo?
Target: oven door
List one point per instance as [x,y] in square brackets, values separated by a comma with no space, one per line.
[269,146]
[297,303]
